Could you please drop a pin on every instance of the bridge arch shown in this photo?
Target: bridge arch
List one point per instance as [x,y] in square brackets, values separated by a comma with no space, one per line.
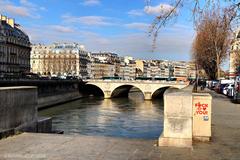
[159,92]
[123,90]
[91,89]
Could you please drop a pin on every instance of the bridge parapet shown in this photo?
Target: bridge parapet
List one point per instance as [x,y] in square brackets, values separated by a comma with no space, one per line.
[138,81]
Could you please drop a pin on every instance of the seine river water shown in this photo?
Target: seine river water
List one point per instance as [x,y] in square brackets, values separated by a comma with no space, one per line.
[120,117]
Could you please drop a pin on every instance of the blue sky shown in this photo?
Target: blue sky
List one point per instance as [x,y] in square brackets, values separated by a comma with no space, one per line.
[120,26]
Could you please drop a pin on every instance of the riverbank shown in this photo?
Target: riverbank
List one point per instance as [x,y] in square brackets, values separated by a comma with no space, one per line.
[225,144]
[52,100]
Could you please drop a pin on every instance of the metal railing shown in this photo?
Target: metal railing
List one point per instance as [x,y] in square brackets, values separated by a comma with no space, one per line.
[138,81]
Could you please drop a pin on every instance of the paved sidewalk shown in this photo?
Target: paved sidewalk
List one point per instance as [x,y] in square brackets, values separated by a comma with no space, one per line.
[225,143]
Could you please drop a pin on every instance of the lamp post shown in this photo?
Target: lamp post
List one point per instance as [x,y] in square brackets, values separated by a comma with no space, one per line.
[170,71]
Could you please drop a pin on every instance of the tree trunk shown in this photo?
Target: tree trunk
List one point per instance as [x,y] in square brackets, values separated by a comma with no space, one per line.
[218,67]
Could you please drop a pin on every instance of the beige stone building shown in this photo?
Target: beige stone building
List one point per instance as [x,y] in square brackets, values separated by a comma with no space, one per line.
[235,51]
[107,58]
[139,65]
[14,49]
[191,70]
[100,70]
[167,69]
[128,70]
[180,69]
[60,59]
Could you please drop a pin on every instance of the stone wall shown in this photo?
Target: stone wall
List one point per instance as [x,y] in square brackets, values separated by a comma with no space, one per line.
[18,109]
[50,92]
[50,100]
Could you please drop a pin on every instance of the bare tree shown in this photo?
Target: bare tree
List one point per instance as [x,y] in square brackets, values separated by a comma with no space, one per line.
[212,40]
[197,9]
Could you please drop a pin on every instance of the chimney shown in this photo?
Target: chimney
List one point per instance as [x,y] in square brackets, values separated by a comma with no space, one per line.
[10,21]
[3,18]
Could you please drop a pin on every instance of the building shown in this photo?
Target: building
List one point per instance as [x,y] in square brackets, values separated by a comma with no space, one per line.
[155,69]
[128,70]
[108,58]
[14,49]
[100,70]
[60,59]
[166,69]
[139,68]
[234,54]
[191,70]
[180,69]
[148,69]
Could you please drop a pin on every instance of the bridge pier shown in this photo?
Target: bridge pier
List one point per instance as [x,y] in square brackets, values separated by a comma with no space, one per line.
[107,94]
[147,95]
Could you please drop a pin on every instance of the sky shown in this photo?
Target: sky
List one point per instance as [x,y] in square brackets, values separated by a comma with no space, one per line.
[119,26]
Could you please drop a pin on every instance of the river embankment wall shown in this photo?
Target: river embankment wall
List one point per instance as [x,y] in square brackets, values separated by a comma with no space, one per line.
[50,100]
[50,92]
[18,110]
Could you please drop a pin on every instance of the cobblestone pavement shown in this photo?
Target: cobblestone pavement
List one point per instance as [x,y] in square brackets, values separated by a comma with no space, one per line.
[225,144]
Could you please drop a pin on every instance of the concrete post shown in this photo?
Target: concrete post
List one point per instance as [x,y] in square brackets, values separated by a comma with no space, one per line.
[177,130]
[147,95]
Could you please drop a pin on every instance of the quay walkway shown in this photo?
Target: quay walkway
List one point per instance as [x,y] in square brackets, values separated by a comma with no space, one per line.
[225,143]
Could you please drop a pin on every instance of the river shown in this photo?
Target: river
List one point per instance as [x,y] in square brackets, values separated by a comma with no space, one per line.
[130,117]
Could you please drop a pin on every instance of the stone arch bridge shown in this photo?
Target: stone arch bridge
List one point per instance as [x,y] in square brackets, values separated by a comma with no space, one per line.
[117,88]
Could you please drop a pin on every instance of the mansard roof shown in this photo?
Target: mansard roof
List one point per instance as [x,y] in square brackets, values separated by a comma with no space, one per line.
[7,30]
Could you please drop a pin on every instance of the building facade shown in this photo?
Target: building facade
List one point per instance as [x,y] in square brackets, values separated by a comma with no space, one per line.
[60,59]
[128,70]
[191,70]
[108,58]
[14,49]
[100,70]
[167,69]
[180,69]
[234,54]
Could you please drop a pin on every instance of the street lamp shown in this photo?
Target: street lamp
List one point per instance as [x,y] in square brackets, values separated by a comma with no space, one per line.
[170,71]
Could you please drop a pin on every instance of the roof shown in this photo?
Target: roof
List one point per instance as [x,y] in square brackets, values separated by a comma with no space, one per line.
[7,30]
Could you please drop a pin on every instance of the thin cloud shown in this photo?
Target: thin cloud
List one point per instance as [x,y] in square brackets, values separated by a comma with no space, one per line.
[135,12]
[88,20]
[138,26]
[62,29]
[91,2]
[24,9]
[15,10]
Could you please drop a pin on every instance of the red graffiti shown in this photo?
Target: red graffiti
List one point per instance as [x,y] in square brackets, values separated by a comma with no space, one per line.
[201,109]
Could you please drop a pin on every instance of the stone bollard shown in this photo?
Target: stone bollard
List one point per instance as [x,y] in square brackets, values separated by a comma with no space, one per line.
[202,108]
[177,130]
[187,117]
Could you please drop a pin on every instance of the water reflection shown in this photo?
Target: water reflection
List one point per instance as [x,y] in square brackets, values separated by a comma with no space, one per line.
[121,117]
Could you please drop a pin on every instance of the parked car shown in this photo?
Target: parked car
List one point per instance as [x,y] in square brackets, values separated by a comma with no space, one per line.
[221,87]
[228,90]
[225,89]
[212,84]
[236,90]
